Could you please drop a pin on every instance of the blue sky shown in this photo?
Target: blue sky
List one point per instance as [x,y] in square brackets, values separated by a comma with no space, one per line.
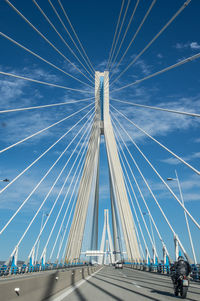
[178,89]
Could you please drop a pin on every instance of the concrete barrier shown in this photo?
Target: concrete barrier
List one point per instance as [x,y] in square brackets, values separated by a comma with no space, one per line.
[40,286]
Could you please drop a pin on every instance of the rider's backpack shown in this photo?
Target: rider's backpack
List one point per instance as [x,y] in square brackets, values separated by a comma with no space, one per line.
[181,268]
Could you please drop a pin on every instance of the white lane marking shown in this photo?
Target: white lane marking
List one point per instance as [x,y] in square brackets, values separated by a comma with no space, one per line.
[138,286]
[71,289]
[134,283]
[195,286]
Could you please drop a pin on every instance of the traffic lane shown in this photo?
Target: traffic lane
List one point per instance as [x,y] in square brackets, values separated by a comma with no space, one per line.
[159,285]
[127,284]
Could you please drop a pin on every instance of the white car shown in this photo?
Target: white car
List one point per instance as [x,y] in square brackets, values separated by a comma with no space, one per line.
[118,265]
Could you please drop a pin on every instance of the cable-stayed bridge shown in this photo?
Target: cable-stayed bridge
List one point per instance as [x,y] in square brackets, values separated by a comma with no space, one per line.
[89,180]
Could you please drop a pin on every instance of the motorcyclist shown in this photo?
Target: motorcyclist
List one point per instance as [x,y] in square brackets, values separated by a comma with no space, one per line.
[181,267]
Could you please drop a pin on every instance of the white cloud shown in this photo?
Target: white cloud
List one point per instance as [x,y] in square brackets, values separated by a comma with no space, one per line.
[194,45]
[191,45]
[159,55]
[174,161]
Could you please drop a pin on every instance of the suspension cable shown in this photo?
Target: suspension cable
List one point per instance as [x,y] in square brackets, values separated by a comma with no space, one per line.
[150,238]
[130,197]
[61,37]
[136,33]
[59,18]
[45,106]
[41,58]
[43,130]
[189,59]
[72,208]
[38,184]
[48,41]
[171,228]
[131,18]
[155,38]
[42,82]
[66,16]
[44,225]
[156,108]
[120,29]
[159,143]
[160,177]
[109,59]
[138,187]
[44,153]
[72,194]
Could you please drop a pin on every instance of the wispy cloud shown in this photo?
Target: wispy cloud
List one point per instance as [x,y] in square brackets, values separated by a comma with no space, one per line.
[188,45]
[174,161]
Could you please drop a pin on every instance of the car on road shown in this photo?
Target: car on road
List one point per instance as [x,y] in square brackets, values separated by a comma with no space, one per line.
[118,265]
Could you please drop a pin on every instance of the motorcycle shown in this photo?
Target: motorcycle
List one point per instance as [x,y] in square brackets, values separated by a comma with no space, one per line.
[181,286]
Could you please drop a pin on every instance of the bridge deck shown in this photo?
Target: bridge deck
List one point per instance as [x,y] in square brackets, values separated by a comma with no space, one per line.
[126,284]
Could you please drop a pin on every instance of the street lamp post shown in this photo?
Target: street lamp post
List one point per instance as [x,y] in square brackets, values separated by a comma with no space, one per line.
[186,218]
[4,180]
[153,238]
[38,244]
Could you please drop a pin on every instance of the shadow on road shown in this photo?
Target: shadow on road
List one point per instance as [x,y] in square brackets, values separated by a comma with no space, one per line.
[124,288]
[105,291]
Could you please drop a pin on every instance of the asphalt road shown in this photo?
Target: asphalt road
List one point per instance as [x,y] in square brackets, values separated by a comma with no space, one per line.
[125,285]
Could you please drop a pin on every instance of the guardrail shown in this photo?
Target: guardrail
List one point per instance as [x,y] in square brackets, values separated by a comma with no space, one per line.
[163,269]
[42,286]
[14,270]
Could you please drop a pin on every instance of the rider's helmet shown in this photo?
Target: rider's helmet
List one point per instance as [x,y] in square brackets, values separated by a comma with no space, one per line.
[180,258]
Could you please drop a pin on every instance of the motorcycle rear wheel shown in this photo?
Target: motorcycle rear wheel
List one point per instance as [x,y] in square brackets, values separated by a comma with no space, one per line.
[183,292]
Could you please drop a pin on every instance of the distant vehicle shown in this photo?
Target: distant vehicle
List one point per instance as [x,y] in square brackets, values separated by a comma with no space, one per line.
[118,265]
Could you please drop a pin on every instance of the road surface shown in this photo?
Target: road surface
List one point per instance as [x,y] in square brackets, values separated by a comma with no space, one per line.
[125,285]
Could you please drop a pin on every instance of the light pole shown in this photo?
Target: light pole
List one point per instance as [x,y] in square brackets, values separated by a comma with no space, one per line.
[150,222]
[186,218]
[4,180]
[38,244]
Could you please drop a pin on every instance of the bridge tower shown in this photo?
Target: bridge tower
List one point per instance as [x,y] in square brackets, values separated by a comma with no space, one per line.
[122,220]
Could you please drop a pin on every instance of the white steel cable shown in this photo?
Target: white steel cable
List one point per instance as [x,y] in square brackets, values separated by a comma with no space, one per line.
[156,108]
[155,38]
[138,222]
[42,204]
[166,219]
[135,226]
[38,184]
[72,208]
[119,206]
[44,225]
[136,33]
[131,18]
[63,40]
[43,83]
[109,58]
[41,131]
[163,181]
[138,187]
[44,153]
[189,59]
[52,45]
[45,106]
[72,194]
[186,219]
[159,143]
[150,238]
[120,29]
[41,58]
[66,16]
[58,16]
[69,187]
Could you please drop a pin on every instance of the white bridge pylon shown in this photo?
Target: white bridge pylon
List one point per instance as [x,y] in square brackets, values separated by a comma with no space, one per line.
[122,219]
[106,226]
